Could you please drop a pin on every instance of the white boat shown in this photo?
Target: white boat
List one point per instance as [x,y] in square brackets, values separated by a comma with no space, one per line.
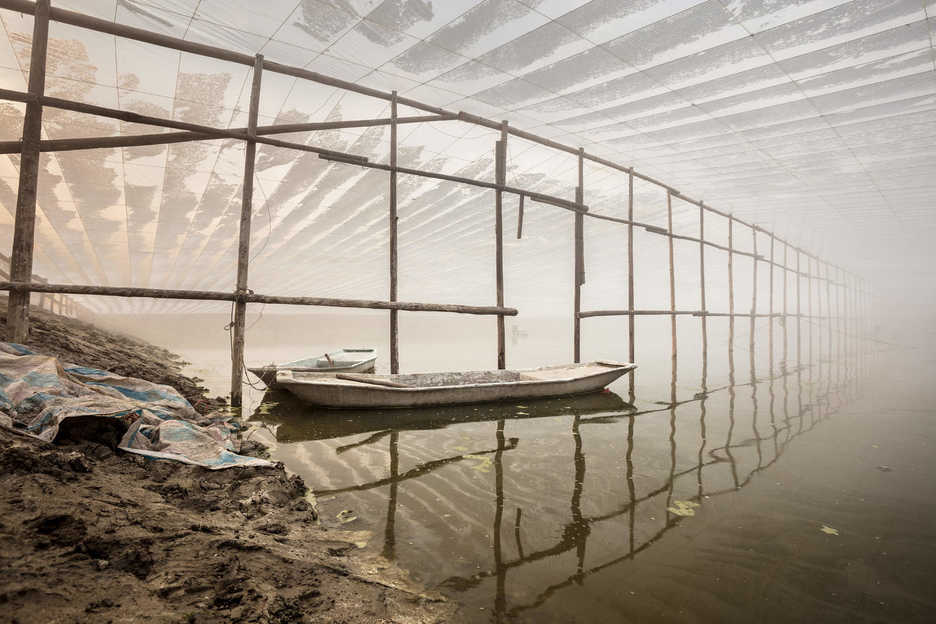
[458,388]
[341,361]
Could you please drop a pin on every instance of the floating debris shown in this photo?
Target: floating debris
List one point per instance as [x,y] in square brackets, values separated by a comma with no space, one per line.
[885,468]
[345,516]
[829,530]
[683,508]
[483,465]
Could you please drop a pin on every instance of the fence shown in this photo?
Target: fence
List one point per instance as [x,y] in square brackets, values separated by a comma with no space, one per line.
[849,292]
[52,302]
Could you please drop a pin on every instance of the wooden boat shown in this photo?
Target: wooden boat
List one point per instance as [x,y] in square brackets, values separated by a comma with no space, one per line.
[341,361]
[458,388]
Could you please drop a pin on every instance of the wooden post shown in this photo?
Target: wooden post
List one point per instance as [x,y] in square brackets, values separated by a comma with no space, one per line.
[579,258]
[844,320]
[731,325]
[770,311]
[702,292]
[799,318]
[394,319]
[500,168]
[243,247]
[828,284]
[630,280]
[753,320]
[672,289]
[839,322]
[24,229]
[520,218]
[786,339]
[809,312]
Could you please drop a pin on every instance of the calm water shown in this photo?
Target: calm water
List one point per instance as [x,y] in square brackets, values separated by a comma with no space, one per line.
[720,495]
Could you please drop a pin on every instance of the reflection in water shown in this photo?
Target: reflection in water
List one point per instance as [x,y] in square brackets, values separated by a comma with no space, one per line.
[555,546]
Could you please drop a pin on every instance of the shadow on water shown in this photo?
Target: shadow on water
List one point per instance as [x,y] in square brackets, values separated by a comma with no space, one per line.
[779,409]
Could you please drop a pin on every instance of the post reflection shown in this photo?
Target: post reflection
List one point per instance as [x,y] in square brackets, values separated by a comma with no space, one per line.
[702,448]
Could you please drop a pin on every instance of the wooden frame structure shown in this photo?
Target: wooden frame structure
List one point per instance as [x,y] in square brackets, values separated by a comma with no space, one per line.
[20,283]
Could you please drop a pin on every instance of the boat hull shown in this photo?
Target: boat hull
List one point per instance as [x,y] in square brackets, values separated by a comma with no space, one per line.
[342,393]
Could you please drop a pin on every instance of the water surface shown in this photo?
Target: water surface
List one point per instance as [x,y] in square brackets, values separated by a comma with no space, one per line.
[726,493]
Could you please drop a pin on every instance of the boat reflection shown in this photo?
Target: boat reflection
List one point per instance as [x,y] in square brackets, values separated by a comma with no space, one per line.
[796,399]
[299,421]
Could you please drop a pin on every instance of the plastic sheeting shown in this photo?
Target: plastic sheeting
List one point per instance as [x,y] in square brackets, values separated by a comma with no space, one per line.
[815,118]
[39,393]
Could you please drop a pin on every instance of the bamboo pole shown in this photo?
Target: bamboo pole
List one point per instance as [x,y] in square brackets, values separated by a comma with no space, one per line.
[164,138]
[731,318]
[130,117]
[799,295]
[520,218]
[786,339]
[500,175]
[840,322]
[672,291]
[243,239]
[753,327]
[809,308]
[770,327]
[829,313]
[630,283]
[394,242]
[24,228]
[702,293]
[501,179]
[251,297]
[579,261]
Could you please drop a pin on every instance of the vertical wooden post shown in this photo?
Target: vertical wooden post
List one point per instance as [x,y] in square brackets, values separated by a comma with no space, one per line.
[243,246]
[809,312]
[845,323]
[579,258]
[394,318]
[672,288]
[799,318]
[630,281]
[704,310]
[500,173]
[520,218]
[731,318]
[828,284]
[753,316]
[770,327]
[24,228]
[839,323]
[786,339]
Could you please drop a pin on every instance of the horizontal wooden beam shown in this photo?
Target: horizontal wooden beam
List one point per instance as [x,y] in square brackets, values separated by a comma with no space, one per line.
[112,113]
[165,138]
[593,313]
[249,297]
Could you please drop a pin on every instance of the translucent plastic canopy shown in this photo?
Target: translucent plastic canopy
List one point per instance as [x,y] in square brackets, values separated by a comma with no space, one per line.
[815,118]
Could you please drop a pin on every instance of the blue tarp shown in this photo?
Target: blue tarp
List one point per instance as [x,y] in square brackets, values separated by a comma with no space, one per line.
[38,393]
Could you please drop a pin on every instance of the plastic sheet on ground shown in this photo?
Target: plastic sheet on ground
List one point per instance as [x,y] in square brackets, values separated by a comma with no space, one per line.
[39,393]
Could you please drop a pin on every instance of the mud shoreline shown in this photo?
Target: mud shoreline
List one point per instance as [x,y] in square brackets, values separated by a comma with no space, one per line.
[90,534]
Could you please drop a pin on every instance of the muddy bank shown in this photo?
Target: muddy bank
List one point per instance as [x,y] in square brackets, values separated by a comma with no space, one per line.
[90,534]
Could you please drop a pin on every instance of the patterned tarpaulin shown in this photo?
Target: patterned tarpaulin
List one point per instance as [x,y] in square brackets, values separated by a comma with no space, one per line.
[39,393]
